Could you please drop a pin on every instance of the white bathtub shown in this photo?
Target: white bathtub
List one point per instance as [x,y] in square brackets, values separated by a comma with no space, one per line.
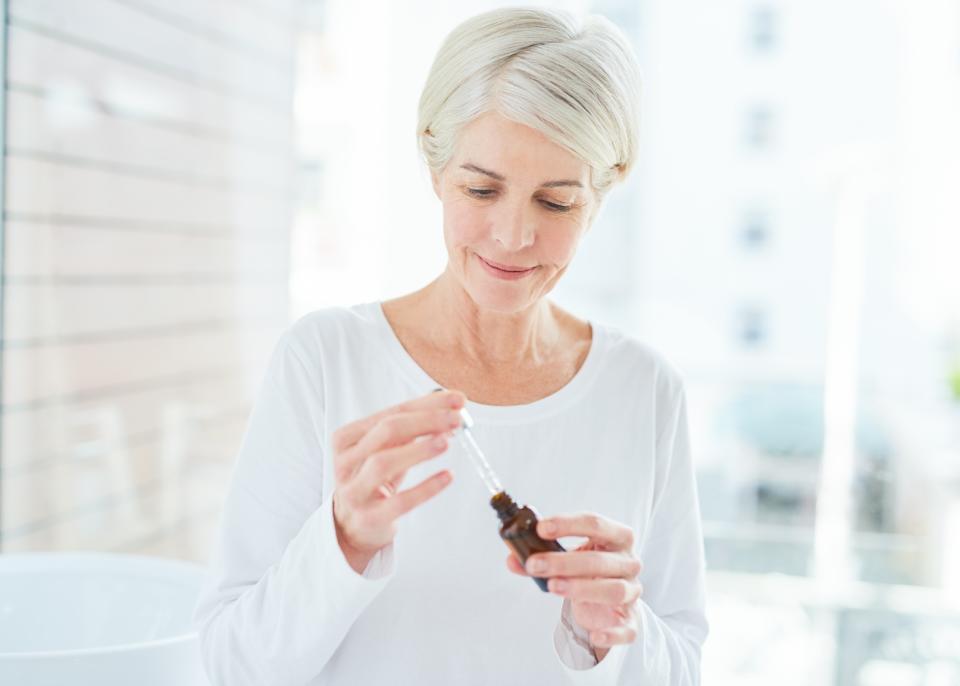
[98,619]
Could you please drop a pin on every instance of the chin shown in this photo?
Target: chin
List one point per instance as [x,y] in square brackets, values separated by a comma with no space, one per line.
[505,299]
[491,294]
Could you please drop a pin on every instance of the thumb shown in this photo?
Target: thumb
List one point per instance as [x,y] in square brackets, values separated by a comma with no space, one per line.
[513,564]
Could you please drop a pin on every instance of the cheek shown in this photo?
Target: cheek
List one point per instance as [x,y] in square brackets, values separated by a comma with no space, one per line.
[463,225]
[559,245]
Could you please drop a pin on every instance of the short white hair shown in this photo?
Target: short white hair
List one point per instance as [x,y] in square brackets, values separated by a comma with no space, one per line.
[577,81]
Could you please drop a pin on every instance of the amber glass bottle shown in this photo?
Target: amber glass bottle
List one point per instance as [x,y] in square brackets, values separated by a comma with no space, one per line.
[519,531]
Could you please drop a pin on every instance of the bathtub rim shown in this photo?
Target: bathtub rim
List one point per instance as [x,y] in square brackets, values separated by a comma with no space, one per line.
[19,562]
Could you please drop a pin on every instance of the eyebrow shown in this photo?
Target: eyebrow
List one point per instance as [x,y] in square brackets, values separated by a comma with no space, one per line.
[469,166]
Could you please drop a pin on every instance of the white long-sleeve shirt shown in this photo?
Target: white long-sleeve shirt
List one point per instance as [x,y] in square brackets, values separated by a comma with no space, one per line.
[438,606]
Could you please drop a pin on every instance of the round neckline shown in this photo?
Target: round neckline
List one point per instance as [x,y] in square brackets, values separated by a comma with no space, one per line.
[562,398]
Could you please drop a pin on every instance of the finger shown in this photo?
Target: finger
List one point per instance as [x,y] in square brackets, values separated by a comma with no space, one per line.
[349,434]
[584,564]
[395,430]
[613,635]
[389,488]
[385,466]
[402,427]
[513,564]
[404,501]
[613,535]
[603,591]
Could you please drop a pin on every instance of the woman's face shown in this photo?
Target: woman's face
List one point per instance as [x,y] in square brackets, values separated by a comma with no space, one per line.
[514,207]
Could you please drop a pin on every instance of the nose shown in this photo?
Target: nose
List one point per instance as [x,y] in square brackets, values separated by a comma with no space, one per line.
[514,230]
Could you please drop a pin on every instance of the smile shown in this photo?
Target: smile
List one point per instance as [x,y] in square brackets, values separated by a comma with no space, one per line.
[503,271]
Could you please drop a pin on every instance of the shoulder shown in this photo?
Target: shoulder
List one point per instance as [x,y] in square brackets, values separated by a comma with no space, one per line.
[329,325]
[325,333]
[633,358]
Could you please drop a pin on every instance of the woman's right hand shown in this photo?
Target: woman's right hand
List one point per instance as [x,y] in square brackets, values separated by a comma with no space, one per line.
[378,450]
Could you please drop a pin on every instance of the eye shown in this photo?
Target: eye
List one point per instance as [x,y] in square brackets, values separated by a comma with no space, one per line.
[480,192]
[554,207]
[488,192]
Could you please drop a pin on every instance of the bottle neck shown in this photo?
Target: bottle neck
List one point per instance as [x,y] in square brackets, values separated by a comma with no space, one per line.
[504,505]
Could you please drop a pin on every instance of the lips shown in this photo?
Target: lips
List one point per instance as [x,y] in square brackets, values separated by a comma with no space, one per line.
[506,267]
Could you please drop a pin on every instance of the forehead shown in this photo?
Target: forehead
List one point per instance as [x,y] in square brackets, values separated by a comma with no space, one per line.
[515,151]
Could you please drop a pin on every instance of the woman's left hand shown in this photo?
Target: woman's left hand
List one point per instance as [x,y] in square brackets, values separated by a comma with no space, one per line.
[599,577]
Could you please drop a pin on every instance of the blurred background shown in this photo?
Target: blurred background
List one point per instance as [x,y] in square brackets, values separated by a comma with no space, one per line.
[184,178]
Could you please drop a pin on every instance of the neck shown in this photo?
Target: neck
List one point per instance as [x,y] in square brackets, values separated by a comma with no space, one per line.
[487,337]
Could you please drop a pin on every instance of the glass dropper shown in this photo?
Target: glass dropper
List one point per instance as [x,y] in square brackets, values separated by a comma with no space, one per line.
[469,444]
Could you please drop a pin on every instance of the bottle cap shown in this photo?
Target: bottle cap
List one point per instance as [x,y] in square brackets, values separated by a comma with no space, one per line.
[504,505]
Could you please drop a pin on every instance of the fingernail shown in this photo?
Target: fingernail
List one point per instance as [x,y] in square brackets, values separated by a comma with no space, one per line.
[440,442]
[602,637]
[559,585]
[536,566]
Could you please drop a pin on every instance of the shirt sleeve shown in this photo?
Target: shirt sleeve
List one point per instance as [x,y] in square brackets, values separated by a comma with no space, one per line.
[280,596]
[671,614]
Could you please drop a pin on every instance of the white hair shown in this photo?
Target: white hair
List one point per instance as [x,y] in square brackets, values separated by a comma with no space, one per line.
[575,80]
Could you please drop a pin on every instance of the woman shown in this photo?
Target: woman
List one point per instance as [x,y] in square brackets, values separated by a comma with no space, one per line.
[329,571]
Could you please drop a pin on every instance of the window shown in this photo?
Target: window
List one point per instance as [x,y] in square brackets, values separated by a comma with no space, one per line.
[759,127]
[752,326]
[755,229]
[762,28]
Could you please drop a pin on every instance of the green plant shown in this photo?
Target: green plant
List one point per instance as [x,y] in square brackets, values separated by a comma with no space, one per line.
[953,378]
